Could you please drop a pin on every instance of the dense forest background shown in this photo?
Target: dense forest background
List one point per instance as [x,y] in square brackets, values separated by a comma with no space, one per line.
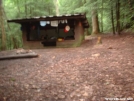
[103,16]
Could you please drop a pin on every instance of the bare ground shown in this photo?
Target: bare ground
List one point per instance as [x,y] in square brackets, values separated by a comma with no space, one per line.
[87,73]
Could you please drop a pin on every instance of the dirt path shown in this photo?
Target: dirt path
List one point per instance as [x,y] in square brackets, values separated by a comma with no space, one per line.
[87,73]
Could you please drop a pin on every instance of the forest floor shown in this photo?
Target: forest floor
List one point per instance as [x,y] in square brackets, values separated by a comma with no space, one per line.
[91,72]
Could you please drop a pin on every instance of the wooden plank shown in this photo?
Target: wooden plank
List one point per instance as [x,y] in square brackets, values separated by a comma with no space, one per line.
[17,56]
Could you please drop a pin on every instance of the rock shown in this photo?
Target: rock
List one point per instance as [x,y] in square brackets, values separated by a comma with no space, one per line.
[29,51]
[20,51]
[54,93]
[26,86]
[56,98]
[110,47]
[82,100]
[93,98]
[53,57]
[85,94]
[41,99]
[38,90]
[78,95]
[67,90]
[47,95]
[61,96]
[60,91]
[96,55]
[72,95]
[4,98]
[34,87]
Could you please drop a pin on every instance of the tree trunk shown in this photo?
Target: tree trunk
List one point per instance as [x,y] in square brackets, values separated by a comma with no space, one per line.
[118,16]
[95,23]
[102,17]
[30,11]
[26,7]
[56,6]
[112,19]
[130,5]
[18,7]
[3,34]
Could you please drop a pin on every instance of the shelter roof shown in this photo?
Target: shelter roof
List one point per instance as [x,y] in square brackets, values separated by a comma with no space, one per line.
[80,16]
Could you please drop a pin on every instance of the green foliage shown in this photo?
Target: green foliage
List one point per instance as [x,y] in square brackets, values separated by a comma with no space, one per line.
[20,9]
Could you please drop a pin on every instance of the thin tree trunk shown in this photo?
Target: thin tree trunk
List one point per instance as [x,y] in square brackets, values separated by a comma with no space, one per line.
[30,11]
[130,5]
[18,7]
[112,19]
[56,6]
[118,16]
[3,34]
[49,11]
[131,11]
[26,8]
[35,6]
[102,17]
[84,2]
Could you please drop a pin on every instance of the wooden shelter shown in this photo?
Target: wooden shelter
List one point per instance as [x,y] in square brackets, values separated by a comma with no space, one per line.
[62,30]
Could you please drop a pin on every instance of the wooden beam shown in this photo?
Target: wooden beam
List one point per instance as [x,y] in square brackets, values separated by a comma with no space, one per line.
[17,56]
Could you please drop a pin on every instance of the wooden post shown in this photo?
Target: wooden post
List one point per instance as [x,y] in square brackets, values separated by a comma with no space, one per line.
[28,33]
[79,33]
